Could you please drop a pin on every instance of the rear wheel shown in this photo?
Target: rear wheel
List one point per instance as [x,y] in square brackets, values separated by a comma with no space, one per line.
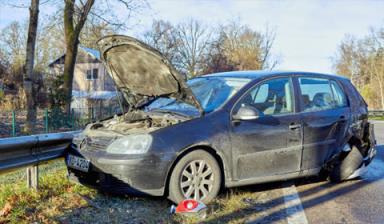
[196,176]
[347,166]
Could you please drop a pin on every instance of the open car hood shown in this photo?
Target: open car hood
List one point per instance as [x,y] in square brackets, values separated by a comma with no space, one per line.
[141,72]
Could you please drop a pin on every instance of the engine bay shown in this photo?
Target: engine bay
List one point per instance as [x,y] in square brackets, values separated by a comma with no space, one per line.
[135,122]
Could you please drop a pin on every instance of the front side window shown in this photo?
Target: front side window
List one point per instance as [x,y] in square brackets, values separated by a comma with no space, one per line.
[320,94]
[270,98]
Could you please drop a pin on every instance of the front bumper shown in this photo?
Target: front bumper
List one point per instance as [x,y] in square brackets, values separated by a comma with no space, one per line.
[125,175]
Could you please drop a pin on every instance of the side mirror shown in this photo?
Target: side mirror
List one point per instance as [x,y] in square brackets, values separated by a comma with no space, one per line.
[246,113]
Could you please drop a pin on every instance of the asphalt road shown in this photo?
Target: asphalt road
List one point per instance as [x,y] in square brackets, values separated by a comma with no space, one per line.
[356,201]
[313,200]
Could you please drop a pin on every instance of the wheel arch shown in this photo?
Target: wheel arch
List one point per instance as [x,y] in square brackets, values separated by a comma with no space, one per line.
[207,148]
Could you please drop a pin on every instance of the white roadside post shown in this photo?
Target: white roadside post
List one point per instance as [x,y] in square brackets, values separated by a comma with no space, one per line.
[33,177]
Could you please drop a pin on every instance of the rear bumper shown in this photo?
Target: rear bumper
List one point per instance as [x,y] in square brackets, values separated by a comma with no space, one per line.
[139,175]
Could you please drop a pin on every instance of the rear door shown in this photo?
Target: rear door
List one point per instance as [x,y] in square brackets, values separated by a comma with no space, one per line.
[324,113]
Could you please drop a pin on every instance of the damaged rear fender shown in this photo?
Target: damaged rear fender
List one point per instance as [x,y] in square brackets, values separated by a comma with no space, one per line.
[362,141]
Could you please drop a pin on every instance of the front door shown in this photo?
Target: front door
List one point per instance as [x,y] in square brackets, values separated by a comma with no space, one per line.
[272,143]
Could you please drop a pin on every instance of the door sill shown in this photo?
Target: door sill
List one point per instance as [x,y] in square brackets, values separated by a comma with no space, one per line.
[266,179]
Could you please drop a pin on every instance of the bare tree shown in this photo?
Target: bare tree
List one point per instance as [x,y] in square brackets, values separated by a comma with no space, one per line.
[193,39]
[238,47]
[13,44]
[362,60]
[29,79]
[216,59]
[185,44]
[162,36]
[246,48]
[73,24]
[75,18]
[196,49]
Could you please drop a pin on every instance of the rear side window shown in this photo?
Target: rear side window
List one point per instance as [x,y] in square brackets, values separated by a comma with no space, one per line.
[321,94]
[339,95]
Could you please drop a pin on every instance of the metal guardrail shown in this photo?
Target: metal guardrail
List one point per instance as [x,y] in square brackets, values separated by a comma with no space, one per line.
[376,113]
[17,152]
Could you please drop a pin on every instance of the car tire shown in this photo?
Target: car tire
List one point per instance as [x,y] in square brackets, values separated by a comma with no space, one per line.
[197,176]
[347,166]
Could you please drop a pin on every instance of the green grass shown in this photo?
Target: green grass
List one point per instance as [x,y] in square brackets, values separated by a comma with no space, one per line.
[26,205]
[378,118]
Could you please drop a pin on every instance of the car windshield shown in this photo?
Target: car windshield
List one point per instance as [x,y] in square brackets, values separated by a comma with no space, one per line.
[211,92]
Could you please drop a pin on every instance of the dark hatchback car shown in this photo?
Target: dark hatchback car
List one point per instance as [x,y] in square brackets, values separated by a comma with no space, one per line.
[189,139]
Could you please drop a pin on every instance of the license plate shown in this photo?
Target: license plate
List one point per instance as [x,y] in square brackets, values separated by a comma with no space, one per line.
[78,163]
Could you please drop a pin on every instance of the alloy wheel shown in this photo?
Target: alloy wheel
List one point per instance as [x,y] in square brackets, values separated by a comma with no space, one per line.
[197,180]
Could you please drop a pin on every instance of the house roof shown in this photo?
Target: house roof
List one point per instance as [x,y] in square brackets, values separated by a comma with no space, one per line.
[95,54]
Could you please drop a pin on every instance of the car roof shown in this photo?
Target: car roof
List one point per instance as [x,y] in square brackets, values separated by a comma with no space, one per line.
[266,73]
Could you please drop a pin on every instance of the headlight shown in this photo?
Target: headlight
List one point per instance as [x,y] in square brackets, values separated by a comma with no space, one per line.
[131,144]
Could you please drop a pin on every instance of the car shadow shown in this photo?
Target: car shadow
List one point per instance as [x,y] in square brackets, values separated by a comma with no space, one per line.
[324,189]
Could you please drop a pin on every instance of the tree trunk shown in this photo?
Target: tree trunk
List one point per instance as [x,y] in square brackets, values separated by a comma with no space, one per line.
[71,33]
[29,88]
[69,68]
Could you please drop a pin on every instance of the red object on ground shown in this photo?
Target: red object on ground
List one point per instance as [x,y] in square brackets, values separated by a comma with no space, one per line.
[189,206]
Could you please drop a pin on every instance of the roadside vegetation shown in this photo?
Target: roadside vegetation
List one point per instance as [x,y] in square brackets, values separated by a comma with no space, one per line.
[376,118]
[61,201]
[362,60]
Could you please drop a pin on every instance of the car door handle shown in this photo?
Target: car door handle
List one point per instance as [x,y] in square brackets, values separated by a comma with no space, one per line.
[294,126]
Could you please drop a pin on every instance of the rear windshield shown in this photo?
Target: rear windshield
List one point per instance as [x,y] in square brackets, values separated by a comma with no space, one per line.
[354,93]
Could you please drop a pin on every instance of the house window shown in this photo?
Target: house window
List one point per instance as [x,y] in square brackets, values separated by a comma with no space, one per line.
[92,74]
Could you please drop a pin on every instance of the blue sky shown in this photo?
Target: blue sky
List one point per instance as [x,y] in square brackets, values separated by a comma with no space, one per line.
[307,31]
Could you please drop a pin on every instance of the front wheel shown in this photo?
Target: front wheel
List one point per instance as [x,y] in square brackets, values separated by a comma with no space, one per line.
[196,176]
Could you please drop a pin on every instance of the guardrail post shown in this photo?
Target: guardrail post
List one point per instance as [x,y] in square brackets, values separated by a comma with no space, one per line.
[13,123]
[33,177]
